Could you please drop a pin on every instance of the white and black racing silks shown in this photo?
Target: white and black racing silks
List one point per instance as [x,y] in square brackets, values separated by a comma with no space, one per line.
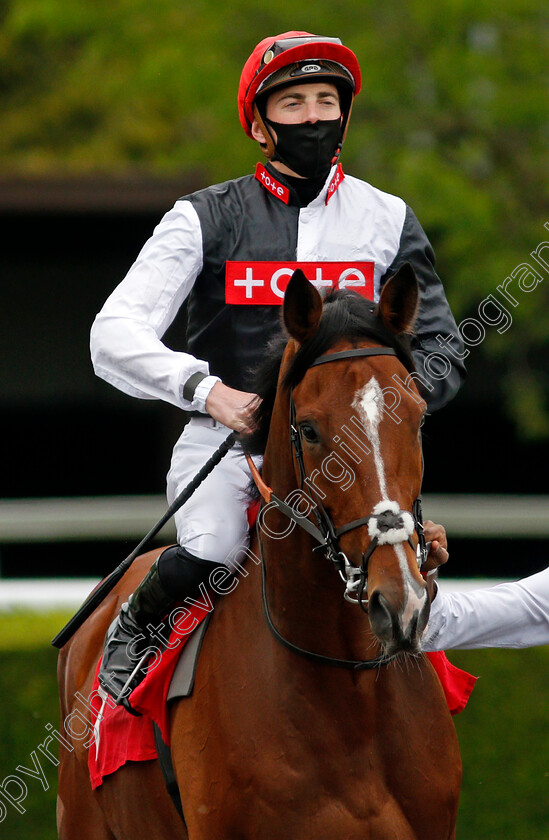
[229,250]
[256,222]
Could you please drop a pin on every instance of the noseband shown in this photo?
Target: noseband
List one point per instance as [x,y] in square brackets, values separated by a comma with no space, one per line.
[387,524]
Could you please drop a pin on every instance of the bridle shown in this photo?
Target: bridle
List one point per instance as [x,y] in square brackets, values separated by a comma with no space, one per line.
[387,524]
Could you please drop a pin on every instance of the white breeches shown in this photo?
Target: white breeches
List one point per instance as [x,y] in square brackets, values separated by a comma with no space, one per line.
[213,524]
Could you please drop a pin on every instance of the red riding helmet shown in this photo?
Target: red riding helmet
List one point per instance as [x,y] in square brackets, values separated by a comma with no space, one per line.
[296,57]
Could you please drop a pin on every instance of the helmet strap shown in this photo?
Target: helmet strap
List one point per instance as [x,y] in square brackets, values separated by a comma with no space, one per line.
[346,126]
[269,142]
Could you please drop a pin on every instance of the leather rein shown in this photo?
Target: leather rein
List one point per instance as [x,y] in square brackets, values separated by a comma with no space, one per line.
[383,523]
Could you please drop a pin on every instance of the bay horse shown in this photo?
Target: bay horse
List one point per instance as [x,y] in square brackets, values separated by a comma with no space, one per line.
[289,731]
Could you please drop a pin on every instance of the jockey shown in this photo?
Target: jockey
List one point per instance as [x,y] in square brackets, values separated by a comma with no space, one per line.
[220,249]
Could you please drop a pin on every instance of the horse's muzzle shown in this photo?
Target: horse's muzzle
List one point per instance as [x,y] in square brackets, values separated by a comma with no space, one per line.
[399,629]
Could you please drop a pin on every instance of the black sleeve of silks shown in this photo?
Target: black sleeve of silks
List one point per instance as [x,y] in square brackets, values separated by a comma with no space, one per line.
[442,373]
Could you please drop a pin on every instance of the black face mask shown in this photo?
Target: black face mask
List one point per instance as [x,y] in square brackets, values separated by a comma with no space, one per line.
[307,148]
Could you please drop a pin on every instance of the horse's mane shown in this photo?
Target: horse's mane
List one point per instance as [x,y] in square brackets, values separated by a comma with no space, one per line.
[345,315]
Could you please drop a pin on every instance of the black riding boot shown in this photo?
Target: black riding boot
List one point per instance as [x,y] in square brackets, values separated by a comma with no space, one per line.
[175,575]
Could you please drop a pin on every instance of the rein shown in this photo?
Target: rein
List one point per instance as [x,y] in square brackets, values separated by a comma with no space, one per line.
[386,524]
[355,664]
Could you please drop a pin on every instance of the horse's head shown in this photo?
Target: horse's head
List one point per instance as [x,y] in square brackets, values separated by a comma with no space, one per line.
[357,418]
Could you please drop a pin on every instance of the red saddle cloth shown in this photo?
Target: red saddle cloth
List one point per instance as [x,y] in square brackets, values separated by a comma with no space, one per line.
[120,737]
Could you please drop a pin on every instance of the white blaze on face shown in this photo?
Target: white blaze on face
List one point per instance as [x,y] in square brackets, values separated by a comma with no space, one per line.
[414,603]
[368,403]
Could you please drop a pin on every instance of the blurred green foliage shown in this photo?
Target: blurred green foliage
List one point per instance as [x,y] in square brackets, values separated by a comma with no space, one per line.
[503,734]
[454,117]
[28,701]
[504,740]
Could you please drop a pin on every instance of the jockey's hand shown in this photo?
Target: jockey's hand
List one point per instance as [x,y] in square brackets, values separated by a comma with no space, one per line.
[232,408]
[437,544]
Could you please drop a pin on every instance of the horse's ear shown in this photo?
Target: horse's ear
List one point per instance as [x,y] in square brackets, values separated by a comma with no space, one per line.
[302,307]
[399,300]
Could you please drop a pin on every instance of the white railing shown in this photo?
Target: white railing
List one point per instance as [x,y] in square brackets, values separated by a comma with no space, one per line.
[131,517]
[67,594]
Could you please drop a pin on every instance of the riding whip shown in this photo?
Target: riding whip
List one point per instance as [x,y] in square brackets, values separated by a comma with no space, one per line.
[107,584]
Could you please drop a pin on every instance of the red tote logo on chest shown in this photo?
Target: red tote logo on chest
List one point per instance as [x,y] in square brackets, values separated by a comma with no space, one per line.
[265,282]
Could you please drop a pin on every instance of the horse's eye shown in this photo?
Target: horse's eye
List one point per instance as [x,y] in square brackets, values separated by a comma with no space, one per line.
[309,433]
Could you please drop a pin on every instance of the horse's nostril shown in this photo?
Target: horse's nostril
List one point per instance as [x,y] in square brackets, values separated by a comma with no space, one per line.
[380,617]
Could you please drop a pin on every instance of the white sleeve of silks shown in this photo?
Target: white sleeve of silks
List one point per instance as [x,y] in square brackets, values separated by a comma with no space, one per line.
[126,346]
[509,615]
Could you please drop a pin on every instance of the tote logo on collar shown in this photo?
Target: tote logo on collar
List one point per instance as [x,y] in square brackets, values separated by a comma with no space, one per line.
[283,193]
[260,283]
